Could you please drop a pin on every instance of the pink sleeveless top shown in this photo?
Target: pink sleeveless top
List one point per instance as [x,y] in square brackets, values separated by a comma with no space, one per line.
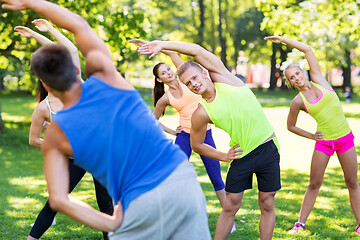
[185,105]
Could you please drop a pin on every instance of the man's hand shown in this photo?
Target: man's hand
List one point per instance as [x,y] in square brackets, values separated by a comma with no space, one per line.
[14,5]
[234,153]
[152,48]
[42,25]
[118,215]
[138,42]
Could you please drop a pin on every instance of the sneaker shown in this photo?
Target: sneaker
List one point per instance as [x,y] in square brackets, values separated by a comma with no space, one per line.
[233,229]
[357,229]
[298,227]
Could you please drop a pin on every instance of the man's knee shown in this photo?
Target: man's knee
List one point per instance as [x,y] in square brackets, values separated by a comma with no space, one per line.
[267,201]
[232,203]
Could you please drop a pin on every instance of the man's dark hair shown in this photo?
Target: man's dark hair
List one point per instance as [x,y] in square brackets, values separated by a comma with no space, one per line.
[53,65]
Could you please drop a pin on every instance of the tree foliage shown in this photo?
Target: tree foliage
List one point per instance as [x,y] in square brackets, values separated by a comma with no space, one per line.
[330,27]
[249,37]
[109,20]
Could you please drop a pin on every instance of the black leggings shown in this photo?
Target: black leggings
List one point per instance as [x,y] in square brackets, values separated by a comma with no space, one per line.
[46,216]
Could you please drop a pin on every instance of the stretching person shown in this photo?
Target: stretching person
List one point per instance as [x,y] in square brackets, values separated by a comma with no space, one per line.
[122,145]
[42,116]
[231,106]
[333,132]
[185,102]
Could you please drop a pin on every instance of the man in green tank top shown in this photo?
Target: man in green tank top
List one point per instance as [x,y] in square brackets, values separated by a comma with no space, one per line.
[229,104]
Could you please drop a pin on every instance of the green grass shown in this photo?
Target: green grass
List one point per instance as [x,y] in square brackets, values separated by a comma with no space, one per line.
[23,188]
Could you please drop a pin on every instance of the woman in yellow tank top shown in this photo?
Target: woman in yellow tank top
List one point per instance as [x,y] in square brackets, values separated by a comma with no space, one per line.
[333,132]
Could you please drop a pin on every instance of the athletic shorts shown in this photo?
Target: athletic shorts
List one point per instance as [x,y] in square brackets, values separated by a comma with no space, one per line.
[264,162]
[339,145]
[175,209]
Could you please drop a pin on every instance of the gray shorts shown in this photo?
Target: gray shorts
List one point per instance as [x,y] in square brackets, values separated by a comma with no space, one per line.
[176,209]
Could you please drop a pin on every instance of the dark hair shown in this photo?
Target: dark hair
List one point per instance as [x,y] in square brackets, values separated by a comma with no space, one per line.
[159,89]
[40,92]
[53,65]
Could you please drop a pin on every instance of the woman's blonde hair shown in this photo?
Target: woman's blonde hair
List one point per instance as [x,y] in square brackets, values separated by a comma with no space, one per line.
[287,81]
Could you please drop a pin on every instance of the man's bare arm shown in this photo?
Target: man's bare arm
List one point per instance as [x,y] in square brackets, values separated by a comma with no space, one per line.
[86,38]
[57,176]
[217,70]
[199,121]
[98,58]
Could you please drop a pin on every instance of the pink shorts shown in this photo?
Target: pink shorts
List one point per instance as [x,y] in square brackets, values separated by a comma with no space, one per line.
[339,145]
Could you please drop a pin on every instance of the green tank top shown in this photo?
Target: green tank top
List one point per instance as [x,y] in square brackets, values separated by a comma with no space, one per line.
[328,114]
[237,111]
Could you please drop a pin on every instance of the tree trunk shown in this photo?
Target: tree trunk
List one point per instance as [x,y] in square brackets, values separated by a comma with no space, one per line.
[2,125]
[347,71]
[221,38]
[283,57]
[202,22]
[2,85]
[273,78]
[212,40]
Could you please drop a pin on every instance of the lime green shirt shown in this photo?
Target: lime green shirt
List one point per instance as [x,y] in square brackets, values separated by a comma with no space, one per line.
[237,111]
[328,114]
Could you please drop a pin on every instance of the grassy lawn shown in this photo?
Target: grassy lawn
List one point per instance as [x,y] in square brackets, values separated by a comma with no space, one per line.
[23,188]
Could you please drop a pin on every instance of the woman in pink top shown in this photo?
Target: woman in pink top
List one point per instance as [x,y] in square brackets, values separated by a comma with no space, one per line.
[185,102]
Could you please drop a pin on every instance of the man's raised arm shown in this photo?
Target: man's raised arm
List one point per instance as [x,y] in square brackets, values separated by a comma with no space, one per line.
[205,58]
[86,39]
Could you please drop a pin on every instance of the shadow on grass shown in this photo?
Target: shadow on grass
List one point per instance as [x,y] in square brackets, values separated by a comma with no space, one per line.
[352,115]
[20,164]
[17,103]
[331,218]
[23,190]
[357,150]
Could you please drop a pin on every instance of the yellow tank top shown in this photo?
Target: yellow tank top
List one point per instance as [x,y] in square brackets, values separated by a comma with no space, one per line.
[328,114]
[237,111]
[185,105]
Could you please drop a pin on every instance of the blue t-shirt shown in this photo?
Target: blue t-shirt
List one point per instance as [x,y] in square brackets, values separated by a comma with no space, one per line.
[116,137]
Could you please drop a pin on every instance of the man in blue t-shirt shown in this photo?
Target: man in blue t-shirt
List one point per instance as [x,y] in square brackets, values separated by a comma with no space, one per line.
[111,133]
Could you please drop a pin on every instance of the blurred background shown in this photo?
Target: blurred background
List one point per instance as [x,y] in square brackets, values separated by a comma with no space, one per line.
[232,29]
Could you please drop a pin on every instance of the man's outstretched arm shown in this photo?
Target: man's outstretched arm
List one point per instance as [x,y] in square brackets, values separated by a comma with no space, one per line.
[86,39]
[205,58]
[98,58]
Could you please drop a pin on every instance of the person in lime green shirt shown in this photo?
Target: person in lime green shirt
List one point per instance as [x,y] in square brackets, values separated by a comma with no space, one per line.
[229,104]
[333,132]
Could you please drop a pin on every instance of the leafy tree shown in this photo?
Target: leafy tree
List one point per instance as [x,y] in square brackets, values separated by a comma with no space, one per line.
[248,36]
[109,20]
[330,27]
